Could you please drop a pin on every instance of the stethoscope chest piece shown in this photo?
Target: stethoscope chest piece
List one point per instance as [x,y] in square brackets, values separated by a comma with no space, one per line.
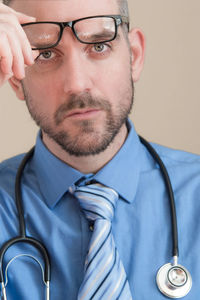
[174,281]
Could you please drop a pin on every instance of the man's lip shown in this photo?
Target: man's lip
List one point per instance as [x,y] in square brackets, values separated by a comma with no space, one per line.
[82,112]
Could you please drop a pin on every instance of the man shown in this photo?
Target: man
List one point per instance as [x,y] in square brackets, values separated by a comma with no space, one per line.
[78,88]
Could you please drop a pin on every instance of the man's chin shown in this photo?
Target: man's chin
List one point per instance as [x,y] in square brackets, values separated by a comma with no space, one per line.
[85,143]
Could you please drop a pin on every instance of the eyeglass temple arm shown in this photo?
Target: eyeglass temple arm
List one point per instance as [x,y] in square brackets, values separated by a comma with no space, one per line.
[125,20]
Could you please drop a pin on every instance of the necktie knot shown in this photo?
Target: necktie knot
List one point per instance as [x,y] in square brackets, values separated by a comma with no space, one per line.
[97,201]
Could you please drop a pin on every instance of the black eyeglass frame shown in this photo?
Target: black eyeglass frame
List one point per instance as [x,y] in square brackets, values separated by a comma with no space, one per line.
[119,20]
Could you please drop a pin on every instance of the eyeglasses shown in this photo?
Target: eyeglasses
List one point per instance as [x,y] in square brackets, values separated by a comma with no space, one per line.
[90,30]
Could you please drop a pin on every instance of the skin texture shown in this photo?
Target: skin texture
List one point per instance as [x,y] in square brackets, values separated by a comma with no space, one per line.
[78,95]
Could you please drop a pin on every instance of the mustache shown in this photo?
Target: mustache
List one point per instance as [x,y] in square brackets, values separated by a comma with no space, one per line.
[82,101]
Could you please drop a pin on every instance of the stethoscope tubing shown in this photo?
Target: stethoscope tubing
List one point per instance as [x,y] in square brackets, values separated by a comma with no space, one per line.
[18,192]
[29,240]
[23,238]
[165,175]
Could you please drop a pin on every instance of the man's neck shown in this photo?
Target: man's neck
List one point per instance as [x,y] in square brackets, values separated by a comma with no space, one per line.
[91,163]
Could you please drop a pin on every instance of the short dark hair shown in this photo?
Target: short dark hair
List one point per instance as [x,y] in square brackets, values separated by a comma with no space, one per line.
[123,9]
[123,6]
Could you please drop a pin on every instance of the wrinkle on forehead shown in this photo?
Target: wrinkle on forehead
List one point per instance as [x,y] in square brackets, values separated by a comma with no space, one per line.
[65,10]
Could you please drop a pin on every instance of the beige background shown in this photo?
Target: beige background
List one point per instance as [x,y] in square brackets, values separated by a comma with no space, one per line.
[167,100]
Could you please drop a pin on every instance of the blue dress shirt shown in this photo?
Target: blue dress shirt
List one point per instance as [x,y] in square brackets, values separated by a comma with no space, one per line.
[141,226]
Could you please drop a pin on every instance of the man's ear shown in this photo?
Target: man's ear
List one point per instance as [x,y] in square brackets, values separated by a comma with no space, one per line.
[137,47]
[17,87]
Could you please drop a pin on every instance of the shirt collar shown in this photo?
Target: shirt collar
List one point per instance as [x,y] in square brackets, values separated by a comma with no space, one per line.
[122,173]
[54,176]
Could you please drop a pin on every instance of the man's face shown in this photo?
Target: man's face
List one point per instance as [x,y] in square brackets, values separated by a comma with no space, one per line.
[80,95]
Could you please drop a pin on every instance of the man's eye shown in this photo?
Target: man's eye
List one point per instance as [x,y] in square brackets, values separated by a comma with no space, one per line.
[46,55]
[100,47]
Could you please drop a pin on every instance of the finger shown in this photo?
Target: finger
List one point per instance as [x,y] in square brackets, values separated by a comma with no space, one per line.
[29,54]
[14,55]
[7,77]
[22,18]
[6,55]
[16,37]
[26,47]
[10,24]
[36,53]
[18,57]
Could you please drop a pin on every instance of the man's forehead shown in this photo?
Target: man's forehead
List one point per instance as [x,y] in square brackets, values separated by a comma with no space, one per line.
[63,10]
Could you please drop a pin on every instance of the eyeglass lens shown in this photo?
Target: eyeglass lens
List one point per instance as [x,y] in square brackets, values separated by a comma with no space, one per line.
[95,30]
[42,35]
[91,30]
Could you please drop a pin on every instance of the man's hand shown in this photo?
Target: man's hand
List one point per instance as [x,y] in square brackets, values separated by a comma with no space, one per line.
[15,49]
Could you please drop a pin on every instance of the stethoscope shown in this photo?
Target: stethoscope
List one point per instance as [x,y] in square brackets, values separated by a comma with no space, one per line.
[173,280]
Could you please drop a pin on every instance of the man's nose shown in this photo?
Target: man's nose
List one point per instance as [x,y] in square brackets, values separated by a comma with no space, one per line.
[77,73]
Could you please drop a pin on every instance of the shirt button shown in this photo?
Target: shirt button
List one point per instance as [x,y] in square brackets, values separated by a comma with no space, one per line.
[91,226]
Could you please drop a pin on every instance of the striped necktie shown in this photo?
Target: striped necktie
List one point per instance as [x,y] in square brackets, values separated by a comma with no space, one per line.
[105,277]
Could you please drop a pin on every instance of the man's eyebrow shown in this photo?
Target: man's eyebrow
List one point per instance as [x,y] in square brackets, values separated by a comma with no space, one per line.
[103,36]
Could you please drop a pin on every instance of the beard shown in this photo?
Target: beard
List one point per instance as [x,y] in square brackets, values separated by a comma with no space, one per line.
[89,140]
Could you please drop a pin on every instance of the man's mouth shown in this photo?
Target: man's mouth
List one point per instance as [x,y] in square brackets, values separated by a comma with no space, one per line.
[82,113]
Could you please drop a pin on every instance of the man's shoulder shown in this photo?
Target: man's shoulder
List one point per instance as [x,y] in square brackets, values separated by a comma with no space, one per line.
[9,167]
[183,169]
[175,156]
[12,162]
[185,163]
